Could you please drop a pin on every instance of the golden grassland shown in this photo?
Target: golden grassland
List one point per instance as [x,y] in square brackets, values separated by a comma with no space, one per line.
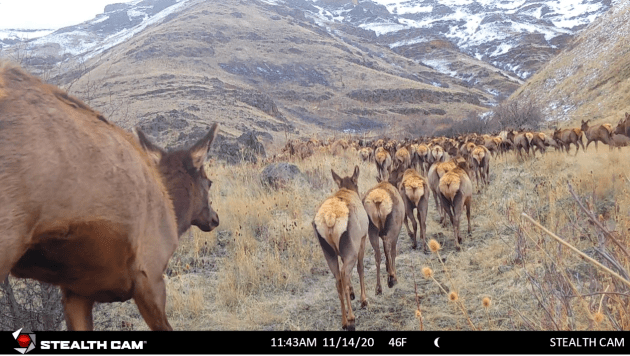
[262,268]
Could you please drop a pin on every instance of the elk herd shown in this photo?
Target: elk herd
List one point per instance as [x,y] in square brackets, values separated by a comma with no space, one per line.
[408,171]
[98,211]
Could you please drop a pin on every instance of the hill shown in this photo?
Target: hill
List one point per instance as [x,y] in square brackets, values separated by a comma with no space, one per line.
[590,78]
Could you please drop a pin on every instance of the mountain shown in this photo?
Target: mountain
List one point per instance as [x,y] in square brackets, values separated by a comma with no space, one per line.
[590,79]
[251,66]
[516,36]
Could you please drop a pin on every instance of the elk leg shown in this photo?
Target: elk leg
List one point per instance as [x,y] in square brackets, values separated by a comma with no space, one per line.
[389,245]
[422,219]
[333,263]
[150,297]
[346,269]
[374,241]
[360,271]
[341,291]
[78,311]
[409,216]
[468,215]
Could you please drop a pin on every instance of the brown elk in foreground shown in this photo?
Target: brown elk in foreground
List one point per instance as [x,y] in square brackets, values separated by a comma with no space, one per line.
[341,226]
[455,192]
[89,207]
[597,133]
[414,190]
[566,137]
[386,211]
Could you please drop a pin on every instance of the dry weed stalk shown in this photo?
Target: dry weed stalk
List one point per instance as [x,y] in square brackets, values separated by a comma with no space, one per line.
[415,288]
[434,246]
[583,255]
[485,303]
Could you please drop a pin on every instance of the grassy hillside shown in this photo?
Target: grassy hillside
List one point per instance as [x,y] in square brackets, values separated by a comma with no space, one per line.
[591,78]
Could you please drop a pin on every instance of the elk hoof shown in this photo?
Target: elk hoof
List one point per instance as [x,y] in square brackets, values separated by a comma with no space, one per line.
[364,304]
[458,248]
[351,295]
[350,326]
[379,290]
[391,281]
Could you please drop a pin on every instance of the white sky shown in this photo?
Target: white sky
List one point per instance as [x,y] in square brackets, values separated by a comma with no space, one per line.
[49,14]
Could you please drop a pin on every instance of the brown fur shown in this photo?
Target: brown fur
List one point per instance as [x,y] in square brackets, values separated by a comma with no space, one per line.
[620,141]
[341,227]
[623,127]
[403,157]
[383,162]
[566,137]
[88,206]
[456,193]
[414,190]
[366,154]
[436,171]
[602,133]
[386,210]
[481,164]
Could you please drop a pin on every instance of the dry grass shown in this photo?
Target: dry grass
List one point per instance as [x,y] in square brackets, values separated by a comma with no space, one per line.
[262,268]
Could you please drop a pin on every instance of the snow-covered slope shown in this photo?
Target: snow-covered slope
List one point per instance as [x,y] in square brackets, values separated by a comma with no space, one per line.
[517,36]
[118,23]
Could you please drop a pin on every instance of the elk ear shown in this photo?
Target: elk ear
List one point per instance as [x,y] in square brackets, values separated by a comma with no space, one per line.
[154,152]
[199,151]
[355,176]
[336,178]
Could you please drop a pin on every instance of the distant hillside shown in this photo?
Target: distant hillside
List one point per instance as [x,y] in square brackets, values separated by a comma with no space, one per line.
[256,67]
[591,78]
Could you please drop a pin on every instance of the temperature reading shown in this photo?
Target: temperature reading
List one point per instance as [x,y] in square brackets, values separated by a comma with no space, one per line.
[398,342]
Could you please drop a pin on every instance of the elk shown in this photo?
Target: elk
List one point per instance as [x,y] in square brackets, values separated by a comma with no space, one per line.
[597,133]
[523,141]
[538,142]
[89,207]
[341,226]
[619,141]
[481,164]
[455,192]
[436,172]
[623,127]
[386,210]
[414,190]
[367,154]
[403,157]
[383,162]
[566,137]
[436,154]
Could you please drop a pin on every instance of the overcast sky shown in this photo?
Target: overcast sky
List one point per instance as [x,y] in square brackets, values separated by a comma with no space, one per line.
[49,14]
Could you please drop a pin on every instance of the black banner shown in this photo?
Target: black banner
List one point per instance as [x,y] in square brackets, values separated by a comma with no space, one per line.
[314,342]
